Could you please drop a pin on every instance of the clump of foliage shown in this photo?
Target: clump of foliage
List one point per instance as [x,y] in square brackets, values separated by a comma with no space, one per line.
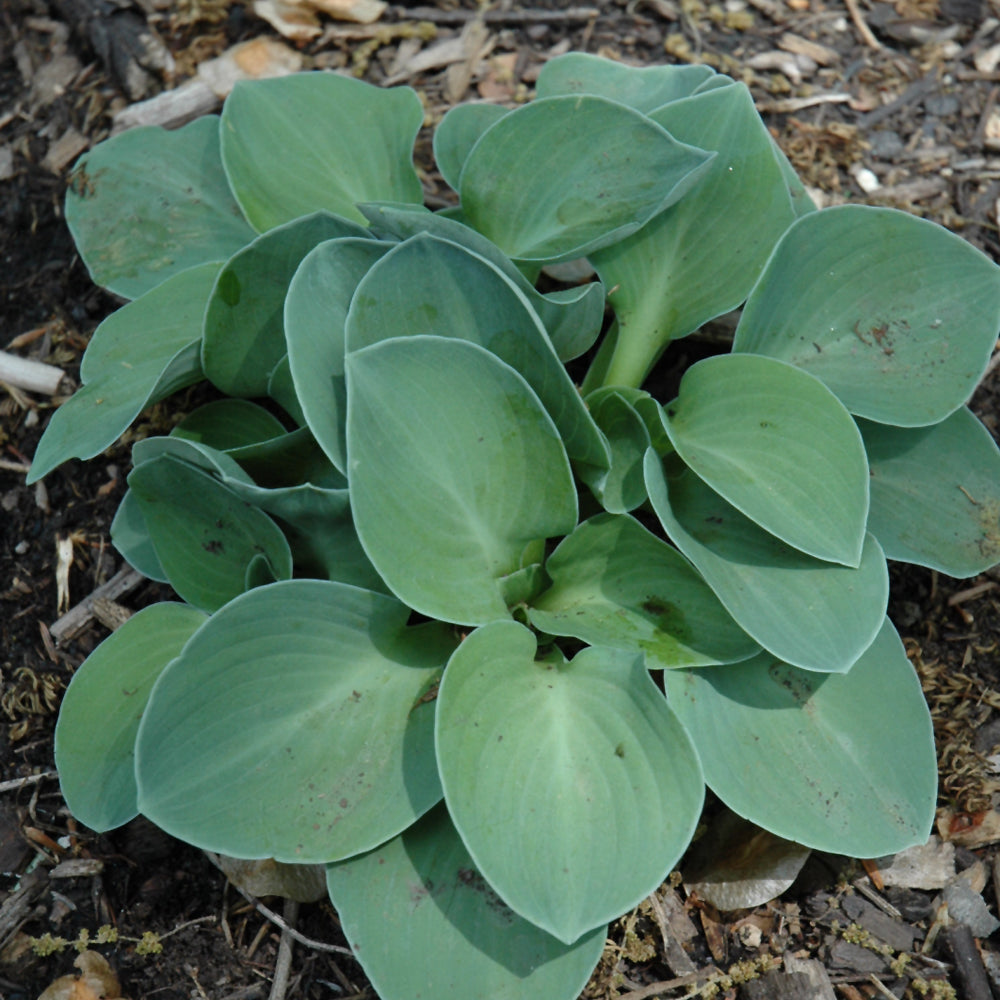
[472,635]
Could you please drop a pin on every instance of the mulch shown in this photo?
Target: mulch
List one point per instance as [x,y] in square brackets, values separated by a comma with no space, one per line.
[878,103]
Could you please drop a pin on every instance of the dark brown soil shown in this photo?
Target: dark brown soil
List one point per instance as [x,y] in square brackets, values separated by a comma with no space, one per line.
[916,110]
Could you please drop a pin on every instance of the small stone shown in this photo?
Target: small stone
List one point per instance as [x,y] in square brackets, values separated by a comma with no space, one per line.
[942,105]
[969,908]
[886,144]
[926,866]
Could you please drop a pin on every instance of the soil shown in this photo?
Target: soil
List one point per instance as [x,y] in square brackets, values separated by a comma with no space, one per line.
[900,95]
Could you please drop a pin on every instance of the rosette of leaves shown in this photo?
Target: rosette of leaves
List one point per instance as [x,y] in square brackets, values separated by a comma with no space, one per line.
[472,635]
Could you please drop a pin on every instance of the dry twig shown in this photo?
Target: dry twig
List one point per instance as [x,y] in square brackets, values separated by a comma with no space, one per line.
[862,26]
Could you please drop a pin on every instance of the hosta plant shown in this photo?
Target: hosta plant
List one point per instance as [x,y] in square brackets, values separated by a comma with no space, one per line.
[465,613]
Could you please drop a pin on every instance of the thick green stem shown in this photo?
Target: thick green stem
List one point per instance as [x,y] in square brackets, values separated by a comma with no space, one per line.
[633,359]
[628,358]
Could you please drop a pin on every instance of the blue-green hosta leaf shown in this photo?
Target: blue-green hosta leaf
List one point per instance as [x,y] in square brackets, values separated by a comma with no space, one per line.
[622,489]
[616,584]
[645,89]
[701,257]
[260,739]
[296,144]
[139,355]
[244,334]
[197,453]
[316,306]
[281,388]
[315,519]
[842,763]
[129,530]
[430,286]
[572,317]
[562,176]
[225,424]
[802,203]
[455,468]
[458,132]
[130,537]
[556,773]
[289,459]
[173,181]
[936,493]
[205,537]
[816,615]
[895,314]
[780,447]
[419,898]
[100,712]
[320,530]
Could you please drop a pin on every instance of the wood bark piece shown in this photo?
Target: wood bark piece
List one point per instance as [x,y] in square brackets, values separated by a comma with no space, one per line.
[19,907]
[676,927]
[256,59]
[806,981]
[969,968]
[895,933]
[32,376]
[170,109]
[78,617]
[529,16]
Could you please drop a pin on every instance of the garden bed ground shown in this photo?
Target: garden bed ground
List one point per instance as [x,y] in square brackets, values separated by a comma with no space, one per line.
[884,103]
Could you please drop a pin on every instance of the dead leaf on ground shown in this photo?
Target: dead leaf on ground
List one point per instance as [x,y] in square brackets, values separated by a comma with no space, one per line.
[500,82]
[298,20]
[256,59]
[971,830]
[305,883]
[737,865]
[96,981]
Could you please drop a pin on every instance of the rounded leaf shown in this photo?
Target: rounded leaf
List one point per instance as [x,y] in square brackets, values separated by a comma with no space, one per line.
[643,88]
[616,584]
[458,132]
[428,285]
[736,865]
[842,763]
[244,336]
[100,712]
[292,726]
[422,921]
[572,316]
[225,424]
[296,144]
[204,535]
[137,356]
[936,493]
[316,306]
[780,447]
[562,176]
[818,615]
[895,314]
[174,183]
[547,766]
[434,426]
